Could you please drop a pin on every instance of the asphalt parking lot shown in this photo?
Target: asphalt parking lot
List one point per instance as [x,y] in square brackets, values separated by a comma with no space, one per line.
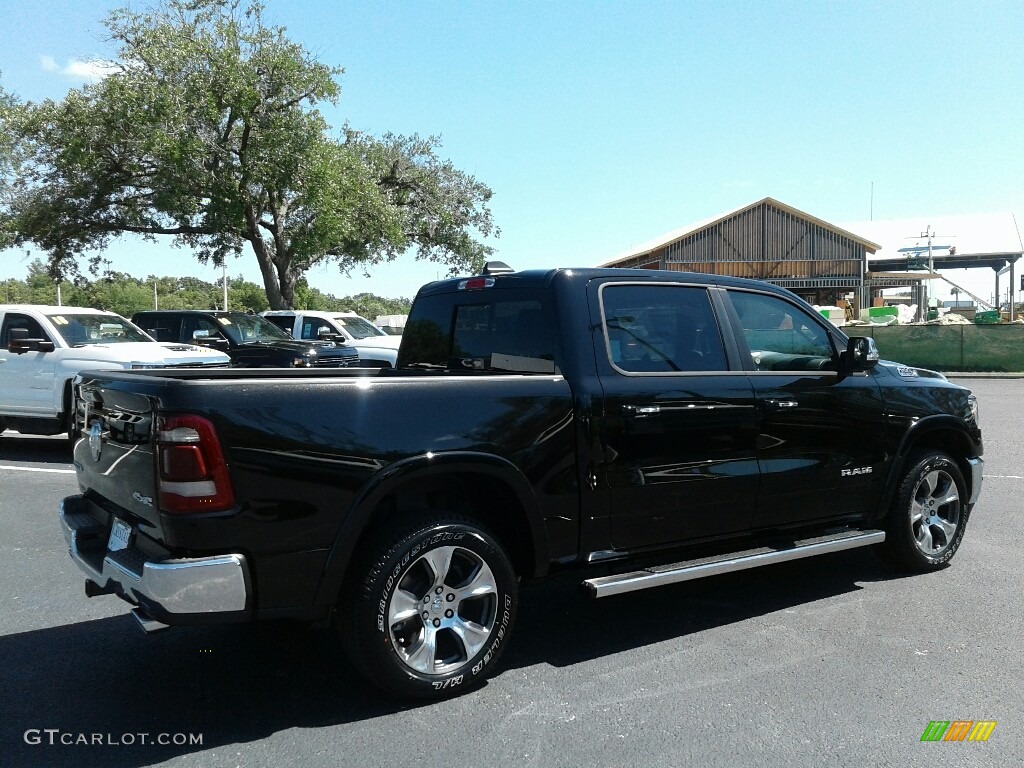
[833,661]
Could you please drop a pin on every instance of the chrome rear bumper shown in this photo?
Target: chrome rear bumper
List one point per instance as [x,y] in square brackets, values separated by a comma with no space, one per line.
[166,587]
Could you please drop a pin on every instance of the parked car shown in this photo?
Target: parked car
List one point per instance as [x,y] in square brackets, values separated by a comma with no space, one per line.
[42,348]
[377,349]
[250,340]
[637,428]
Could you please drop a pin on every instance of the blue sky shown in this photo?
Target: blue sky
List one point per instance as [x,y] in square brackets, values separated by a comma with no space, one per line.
[601,125]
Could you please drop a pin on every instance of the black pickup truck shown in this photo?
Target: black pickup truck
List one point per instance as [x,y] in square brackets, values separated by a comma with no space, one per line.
[641,428]
[251,341]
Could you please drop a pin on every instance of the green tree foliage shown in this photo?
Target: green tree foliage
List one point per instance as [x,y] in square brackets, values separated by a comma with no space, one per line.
[8,111]
[126,295]
[206,130]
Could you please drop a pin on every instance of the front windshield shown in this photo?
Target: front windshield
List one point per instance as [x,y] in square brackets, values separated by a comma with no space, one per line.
[79,330]
[358,327]
[243,328]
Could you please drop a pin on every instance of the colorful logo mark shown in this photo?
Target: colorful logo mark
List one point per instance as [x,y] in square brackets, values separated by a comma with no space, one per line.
[958,730]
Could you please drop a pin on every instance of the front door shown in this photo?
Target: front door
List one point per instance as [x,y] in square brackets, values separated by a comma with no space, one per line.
[27,379]
[820,436]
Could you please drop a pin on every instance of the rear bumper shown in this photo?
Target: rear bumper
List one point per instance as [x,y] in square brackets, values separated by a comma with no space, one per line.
[172,590]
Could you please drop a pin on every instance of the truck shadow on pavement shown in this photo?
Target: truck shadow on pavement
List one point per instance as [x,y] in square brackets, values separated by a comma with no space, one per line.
[238,684]
[41,450]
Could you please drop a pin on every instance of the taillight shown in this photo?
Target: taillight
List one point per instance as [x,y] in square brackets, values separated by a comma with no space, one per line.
[192,474]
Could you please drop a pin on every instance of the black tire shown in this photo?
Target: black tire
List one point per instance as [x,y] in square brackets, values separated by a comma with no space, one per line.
[429,611]
[928,517]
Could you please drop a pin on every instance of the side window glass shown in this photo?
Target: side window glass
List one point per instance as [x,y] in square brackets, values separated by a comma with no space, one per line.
[661,329]
[782,336]
[29,324]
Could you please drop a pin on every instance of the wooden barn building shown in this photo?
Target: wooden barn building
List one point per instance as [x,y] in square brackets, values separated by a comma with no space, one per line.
[772,241]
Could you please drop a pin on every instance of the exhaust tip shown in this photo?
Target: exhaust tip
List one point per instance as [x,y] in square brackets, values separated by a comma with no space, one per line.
[92,589]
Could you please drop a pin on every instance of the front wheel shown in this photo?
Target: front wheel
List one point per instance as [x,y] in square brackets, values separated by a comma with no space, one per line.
[429,613]
[929,513]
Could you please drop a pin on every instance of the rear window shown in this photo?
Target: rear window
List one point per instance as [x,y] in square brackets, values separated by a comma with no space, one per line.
[480,331]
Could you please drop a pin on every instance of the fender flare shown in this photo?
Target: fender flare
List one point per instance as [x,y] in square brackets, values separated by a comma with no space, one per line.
[393,476]
[938,423]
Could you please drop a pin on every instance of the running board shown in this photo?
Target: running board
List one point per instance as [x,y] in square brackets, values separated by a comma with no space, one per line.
[658,576]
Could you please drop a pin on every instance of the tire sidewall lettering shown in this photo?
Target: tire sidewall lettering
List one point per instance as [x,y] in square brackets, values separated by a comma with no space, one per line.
[499,636]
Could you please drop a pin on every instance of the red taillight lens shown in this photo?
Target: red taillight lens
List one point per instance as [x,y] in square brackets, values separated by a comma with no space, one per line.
[476,283]
[192,472]
[182,463]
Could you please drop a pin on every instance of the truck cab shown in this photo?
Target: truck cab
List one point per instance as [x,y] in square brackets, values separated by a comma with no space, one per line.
[377,348]
[251,341]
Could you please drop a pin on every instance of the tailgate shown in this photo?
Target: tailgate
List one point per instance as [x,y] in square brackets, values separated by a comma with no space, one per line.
[114,457]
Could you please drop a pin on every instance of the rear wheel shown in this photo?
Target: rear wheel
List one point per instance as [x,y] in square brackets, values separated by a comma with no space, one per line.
[929,513]
[428,614]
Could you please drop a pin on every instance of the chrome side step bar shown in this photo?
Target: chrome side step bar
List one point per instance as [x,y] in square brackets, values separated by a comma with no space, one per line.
[658,576]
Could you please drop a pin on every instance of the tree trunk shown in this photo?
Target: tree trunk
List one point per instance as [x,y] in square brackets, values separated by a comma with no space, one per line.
[280,287]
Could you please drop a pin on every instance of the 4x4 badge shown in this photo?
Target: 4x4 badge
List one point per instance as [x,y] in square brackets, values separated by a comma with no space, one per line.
[95,440]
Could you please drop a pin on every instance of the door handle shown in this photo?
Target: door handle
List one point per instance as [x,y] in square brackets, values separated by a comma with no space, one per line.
[640,411]
[781,403]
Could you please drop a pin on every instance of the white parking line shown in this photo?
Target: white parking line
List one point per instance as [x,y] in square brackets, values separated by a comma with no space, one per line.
[1003,477]
[38,469]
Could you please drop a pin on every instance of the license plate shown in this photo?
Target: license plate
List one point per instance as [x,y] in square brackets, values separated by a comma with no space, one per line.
[120,535]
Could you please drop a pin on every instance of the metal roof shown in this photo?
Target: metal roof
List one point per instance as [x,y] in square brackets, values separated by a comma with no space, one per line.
[679,234]
[980,240]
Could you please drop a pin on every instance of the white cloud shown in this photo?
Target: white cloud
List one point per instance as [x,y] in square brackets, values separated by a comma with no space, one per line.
[75,69]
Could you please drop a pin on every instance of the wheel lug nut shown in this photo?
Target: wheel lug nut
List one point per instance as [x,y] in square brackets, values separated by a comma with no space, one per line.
[426,615]
[450,597]
[439,590]
[437,622]
[449,613]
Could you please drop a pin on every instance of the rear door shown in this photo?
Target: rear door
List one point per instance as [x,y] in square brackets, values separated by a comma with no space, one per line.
[820,436]
[678,426]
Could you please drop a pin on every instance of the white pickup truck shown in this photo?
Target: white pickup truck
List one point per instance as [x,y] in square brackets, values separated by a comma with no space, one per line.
[42,348]
[376,348]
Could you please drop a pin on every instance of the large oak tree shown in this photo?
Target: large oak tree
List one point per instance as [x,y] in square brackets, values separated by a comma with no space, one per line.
[206,129]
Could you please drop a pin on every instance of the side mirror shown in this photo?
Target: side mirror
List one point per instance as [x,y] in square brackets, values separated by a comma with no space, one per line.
[19,343]
[206,338]
[861,353]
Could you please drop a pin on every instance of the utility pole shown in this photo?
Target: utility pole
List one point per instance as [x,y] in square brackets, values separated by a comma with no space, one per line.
[916,251]
[225,267]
